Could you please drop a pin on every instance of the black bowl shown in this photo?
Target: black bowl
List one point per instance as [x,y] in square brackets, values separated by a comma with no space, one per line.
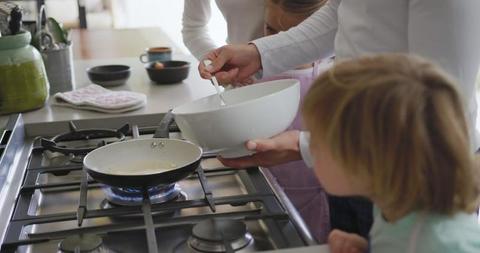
[109,75]
[173,72]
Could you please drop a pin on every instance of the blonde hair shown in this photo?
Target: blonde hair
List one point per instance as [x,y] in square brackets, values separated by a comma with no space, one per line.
[397,122]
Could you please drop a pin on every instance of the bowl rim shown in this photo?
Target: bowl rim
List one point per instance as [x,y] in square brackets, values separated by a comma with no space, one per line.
[94,69]
[294,83]
[186,64]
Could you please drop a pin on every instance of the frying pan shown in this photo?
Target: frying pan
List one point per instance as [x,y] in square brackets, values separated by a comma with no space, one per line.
[124,164]
[144,162]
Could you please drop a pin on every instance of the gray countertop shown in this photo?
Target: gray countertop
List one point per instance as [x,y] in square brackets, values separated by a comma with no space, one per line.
[160,98]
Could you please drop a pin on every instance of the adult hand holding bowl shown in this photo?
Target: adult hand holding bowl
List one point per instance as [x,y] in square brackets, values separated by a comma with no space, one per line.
[279,149]
[253,112]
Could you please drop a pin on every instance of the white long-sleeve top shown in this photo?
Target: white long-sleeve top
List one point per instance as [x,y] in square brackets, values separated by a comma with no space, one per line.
[244,20]
[446,32]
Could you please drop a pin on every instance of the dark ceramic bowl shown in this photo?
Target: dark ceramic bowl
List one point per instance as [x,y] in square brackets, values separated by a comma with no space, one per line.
[109,75]
[173,72]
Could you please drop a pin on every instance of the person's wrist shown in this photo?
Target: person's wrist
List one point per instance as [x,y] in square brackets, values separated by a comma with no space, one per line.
[304,147]
[292,147]
[296,146]
[255,54]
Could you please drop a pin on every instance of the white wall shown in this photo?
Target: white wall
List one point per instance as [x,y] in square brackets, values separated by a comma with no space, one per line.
[166,14]
[102,14]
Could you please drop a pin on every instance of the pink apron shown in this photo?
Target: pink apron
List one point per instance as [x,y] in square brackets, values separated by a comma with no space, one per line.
[297,180]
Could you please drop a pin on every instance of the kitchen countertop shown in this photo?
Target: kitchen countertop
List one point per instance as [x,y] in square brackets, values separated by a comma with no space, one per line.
[119,46]
[160,98]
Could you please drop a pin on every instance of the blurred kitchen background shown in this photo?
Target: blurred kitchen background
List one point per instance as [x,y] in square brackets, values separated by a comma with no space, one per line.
[118,14]
[107,14]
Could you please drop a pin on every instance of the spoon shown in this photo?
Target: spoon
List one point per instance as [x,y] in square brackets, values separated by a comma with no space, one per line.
[215,83]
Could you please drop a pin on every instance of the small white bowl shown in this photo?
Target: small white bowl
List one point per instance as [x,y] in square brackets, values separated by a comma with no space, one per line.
[256,111]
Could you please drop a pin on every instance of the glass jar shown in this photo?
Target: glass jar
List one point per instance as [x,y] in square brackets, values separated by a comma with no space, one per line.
[23,81]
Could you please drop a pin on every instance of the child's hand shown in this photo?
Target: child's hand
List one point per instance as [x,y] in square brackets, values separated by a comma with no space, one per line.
[342,242]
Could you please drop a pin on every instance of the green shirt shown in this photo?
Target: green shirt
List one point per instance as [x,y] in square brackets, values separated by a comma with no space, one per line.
[426,233]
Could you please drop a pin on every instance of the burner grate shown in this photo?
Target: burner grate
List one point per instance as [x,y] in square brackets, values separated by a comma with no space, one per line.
[268,209]
[92,139]
[220,235]
[264,209]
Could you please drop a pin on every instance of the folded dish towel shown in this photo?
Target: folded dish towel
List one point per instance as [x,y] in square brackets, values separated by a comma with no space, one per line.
[97,98]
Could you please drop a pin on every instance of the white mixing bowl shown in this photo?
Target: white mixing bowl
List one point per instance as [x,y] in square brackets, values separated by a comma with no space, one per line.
[256,111]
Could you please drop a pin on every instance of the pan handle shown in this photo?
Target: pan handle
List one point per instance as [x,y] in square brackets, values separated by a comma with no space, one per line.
[162,130]
[135,132]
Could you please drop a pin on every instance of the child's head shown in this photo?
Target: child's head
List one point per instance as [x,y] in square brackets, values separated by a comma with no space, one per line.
[281,15]
[392,127]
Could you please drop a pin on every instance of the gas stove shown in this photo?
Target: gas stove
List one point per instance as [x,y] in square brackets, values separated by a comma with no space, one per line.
[247,210]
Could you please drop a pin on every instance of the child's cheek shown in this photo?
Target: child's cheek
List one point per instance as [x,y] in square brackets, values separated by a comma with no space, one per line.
[320,169]
[330,175]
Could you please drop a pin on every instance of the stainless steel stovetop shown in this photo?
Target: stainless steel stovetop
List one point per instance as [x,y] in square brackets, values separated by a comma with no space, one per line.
[45,210]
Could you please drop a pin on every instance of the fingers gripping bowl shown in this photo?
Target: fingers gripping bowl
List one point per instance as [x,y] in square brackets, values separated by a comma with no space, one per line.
[256,111]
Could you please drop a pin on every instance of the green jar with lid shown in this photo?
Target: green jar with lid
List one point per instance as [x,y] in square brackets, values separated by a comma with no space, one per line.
[23,80]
